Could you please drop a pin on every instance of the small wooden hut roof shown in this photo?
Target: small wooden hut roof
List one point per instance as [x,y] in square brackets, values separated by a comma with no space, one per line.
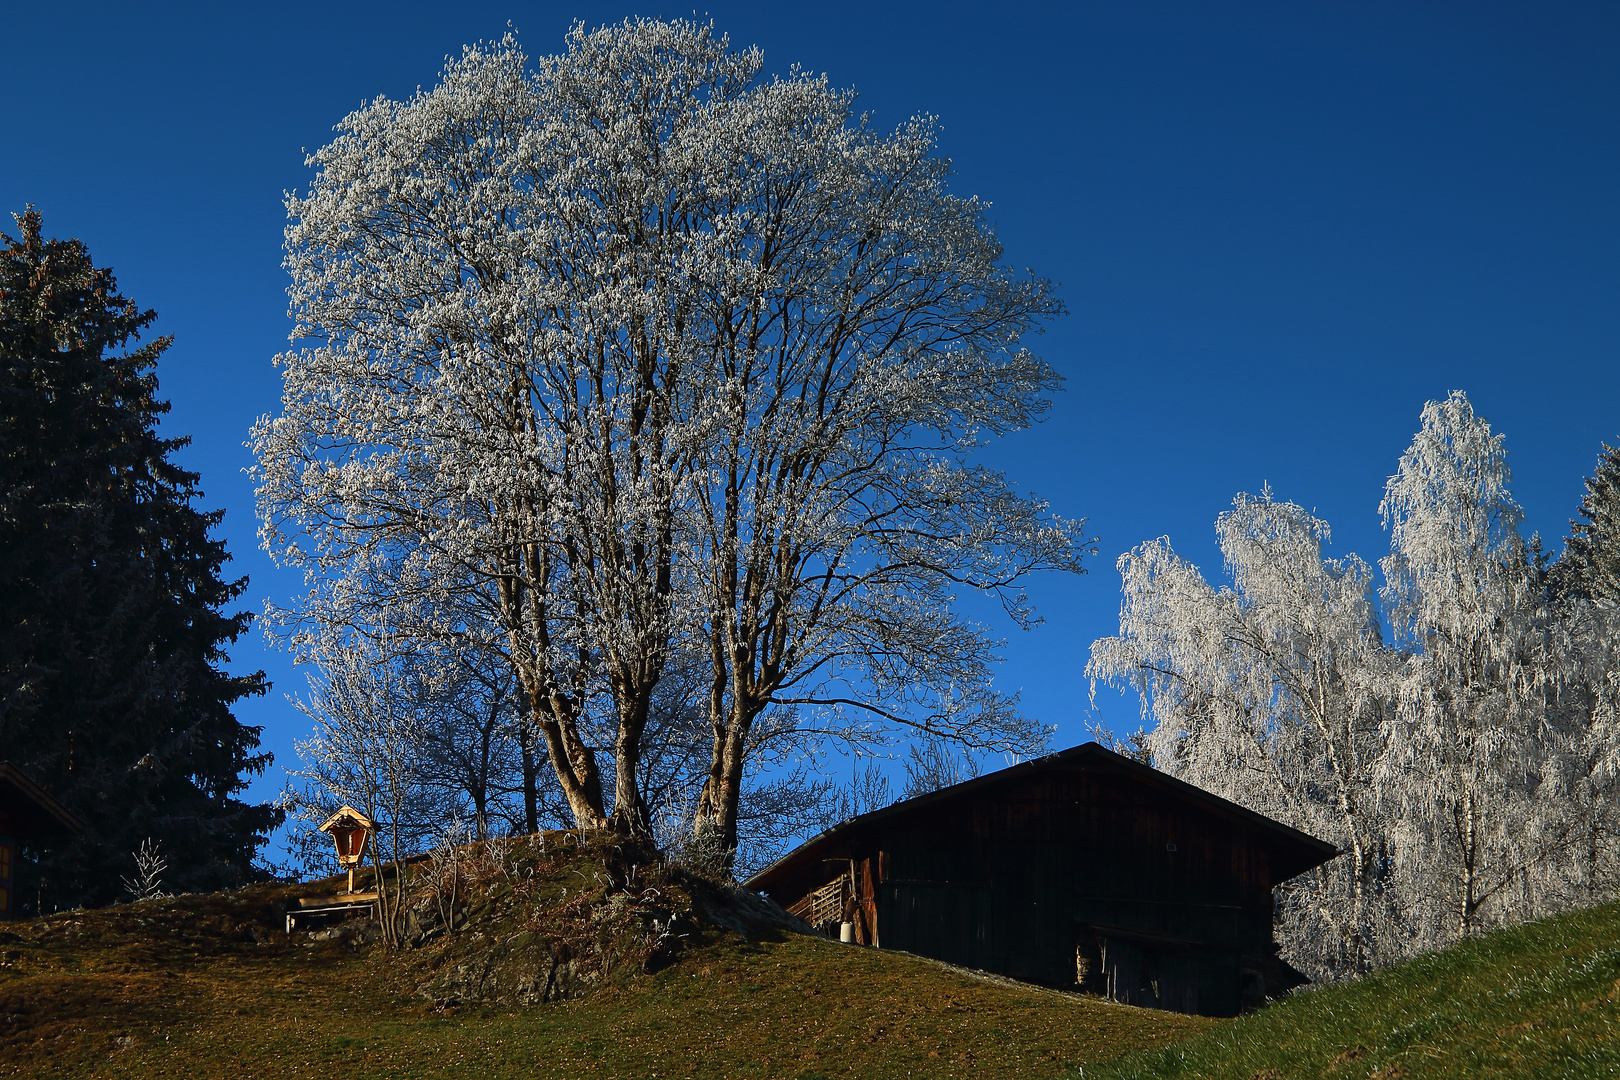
[348,813]
[25,808]
[1293,852]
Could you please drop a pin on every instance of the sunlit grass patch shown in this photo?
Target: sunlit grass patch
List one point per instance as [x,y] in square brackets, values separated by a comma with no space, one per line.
[1538,1000]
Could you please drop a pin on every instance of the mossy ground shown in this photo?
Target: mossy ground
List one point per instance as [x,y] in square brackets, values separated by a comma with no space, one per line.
[210,986]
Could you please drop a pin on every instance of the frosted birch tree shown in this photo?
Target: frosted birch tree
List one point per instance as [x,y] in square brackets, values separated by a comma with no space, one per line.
[1465,745]
[1268,692]
[634,351]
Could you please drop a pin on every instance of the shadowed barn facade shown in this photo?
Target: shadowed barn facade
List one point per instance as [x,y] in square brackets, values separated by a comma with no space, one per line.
[1084,869]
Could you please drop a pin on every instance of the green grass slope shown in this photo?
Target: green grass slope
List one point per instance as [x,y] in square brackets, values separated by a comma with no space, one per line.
[1540,1000]
[211,986]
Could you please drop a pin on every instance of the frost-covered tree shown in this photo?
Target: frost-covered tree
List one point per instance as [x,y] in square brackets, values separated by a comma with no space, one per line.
[1579,793]
[1584,775]
[1268,692]
[486,408]
[859,335]
[636,353]
[1463,747]
[1469,768]
[1590,564]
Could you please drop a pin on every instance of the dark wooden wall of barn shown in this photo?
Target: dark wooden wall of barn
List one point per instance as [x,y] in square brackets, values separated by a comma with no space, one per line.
[1008,878]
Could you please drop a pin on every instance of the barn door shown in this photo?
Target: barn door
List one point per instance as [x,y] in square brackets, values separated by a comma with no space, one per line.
[949,922]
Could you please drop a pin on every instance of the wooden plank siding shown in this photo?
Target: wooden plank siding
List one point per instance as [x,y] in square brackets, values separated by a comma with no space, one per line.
[1082,868]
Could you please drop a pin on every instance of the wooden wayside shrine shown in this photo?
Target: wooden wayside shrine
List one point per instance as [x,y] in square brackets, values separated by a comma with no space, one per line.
[1081,870]
[351,835]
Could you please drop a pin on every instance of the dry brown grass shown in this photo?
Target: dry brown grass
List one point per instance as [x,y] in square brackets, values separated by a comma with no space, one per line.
[209,986]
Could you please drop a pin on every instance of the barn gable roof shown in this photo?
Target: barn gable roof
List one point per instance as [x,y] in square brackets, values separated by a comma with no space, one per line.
[1295,852]
[26,804]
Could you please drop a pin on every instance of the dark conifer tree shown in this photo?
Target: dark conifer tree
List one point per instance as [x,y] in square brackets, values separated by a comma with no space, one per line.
[1590,565]
[112,693]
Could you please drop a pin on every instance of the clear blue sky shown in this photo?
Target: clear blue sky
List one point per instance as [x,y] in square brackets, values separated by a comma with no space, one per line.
[1279,229]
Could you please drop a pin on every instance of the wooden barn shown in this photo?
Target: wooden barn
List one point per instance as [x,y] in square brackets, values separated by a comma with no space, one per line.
[1083,869]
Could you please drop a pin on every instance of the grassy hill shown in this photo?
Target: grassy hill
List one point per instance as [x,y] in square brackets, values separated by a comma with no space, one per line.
[1540,1000]
[211,986]
[670,976]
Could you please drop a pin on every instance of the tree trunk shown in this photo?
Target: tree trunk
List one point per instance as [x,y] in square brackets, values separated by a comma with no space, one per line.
[481,815]
[531,776]
[629,809]
[717,804]
[1470,890]
[575,766]
[551,711]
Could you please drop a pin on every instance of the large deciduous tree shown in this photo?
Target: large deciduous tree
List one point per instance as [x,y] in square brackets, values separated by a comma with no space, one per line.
[112,635]
[635,356]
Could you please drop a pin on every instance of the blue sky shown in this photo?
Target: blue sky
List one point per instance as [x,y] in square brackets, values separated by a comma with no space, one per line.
[1279,229]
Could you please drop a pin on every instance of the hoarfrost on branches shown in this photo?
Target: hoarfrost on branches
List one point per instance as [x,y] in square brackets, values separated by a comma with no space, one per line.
[1467,768]
[1266,693]
[630,356]
[1466,739]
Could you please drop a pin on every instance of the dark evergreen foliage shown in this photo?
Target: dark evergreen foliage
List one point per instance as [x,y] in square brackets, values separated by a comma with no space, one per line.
[1589,568]
[112,693]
